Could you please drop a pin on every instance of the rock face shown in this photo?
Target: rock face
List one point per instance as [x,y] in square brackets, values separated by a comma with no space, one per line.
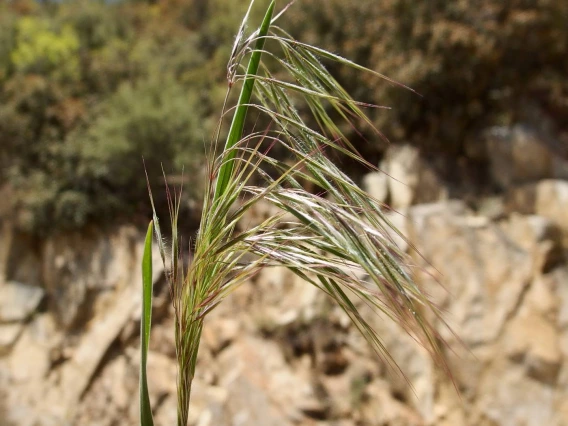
[404,179]
[278,353]
[521,154]
[18,301]
[504,306]
[90,286]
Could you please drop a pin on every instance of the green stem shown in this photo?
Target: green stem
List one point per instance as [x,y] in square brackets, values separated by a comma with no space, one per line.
[188,359]
[187,362]
[238,123]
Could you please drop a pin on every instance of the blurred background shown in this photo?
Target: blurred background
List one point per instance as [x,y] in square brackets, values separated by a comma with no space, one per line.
[480,161]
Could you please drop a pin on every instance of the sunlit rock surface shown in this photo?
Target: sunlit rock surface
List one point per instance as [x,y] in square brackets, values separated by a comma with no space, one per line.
[277,352]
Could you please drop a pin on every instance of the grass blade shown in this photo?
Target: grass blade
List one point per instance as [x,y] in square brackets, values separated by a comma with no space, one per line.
[238,123]
[145,326]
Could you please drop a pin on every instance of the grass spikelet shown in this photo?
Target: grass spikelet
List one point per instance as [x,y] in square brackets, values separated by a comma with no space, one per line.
[332,233]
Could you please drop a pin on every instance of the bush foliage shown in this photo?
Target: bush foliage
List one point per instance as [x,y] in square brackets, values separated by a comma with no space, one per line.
[474,63]
[88,87]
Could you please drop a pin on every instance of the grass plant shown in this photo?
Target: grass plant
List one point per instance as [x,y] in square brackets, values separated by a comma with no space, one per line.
[327,238]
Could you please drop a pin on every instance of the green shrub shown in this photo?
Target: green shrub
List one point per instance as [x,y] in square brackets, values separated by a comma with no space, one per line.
[474,63]
[44,50]
[85,92]
[95,173]
[7,41]
[65,65]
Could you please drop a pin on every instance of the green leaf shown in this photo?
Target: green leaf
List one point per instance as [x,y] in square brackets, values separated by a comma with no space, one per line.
[238,123]
[145,326]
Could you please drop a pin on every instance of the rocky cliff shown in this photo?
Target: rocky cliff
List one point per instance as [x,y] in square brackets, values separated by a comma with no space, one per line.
[278,353]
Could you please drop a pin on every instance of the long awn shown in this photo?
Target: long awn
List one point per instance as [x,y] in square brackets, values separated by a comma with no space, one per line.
[328,239]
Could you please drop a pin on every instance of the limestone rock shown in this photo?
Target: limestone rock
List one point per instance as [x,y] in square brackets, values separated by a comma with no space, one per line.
[534,342]
[300,299]
[552,201]
[522,154]
[484,273]
[207,406]
[219,333]
[257,369]
[49,375]
[167,413]
[383,409]
[29,361]
[403,168]
[539,237]
[9,333]
[262,211]
[278,353]
[78,267]
[376,184]
[77,373]
[509,398]
[410,178]
[6,239]
[18,301]
[547,198]
[399,220]
[112,397]
[561,277]
[162,375]
[403,179]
